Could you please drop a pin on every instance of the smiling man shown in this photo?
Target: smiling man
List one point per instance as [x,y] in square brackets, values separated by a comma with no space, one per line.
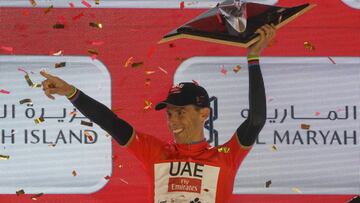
[189,170]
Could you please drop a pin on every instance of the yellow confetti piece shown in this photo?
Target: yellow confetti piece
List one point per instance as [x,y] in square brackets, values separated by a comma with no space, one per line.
[297,190]
[147,105]
[274,148]
[28,80]
[97,2]
[48,9]
[74,173]
[4,157]
[137,64]
[96,25]
[237,68]
[128,61]
[305,126]
[39,120]
[60,65]
[59,26]
[92,51]
[268,183]
[20,192]
[224,149]
[33,3]
[34,197]
[309,46]
[35,85]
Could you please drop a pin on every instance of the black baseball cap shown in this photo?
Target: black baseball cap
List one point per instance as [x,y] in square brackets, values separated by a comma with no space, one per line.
[185,93]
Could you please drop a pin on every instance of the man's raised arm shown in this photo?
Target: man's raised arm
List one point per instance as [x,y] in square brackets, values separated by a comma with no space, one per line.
[97,112]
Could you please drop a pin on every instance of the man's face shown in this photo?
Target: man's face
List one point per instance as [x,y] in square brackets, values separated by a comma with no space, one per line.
[186,123]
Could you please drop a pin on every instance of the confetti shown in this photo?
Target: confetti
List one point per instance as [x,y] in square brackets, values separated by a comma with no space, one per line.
[22,70]
[6,48]
[20,192]
[86,123]
[96,43]
[280,19]
[34,197]
[332,61]
[147,81]
[107,177]
[305,126]
[74,173]
[96,25]
[137,64]
[78,16]
[147,104]
[171,45]
[39,120]
[180,59]
[151,52]
[223,70]
[218,16]
[59,26]
[182,5]
[122,180]
[33,2]
[195,82]
[116,109]
[87,134]
[274,148]
[93,57]
[224,149]
[2,91]
[4,157]
[237,68]
[354,199]
[206,190]
[73,112]
[150,72]
[93,52]
[28,80]
[97,2]
[164,71]
[267,184]
[297,190]
[317,113]
[47,10]
[128,61]
[85,3]
[60,65]
[58,53]
[71,5]
[309,46]
[23,101]
[52,145]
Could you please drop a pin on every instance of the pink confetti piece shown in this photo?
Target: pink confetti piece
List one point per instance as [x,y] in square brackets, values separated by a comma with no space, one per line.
[223,70]
[93,57]
[332,61]
[164,71]
[8,49]
[22,70]
[96,43]
[195,82]
[72,5]
[182,5]
[85,3]
[317,113]
[219,18]
[78,16]
[4,91]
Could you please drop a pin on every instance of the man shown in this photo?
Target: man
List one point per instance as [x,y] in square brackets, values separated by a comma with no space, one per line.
[190,170]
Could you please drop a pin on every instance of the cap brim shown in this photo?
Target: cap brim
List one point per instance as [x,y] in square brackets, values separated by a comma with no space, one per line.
[160,105]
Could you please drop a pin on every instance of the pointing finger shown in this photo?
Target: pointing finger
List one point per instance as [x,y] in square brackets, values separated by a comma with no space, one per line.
[47,75]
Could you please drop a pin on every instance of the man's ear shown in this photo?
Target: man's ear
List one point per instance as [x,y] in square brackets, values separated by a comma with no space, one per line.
[204,113]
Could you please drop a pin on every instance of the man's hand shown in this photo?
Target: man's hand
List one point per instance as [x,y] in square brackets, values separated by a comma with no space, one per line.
[55,85]
[267,33]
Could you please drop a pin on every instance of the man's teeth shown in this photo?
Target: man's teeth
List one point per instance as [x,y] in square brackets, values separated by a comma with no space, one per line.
[177,130]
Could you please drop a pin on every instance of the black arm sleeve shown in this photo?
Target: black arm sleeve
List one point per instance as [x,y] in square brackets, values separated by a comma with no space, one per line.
[98,113]
[249,130]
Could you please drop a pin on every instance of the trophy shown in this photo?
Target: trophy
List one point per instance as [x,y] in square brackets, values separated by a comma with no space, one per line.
[234,22]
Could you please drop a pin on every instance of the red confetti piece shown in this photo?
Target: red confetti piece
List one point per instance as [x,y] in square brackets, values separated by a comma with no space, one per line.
[94,56]
[85,3]
[96,43]
[219,18]
[26,13]
[6,48]
[223,70]
[182,5]
[78,16]
[72,5]
[163,70]
[317,113]
[22,70]
[309,46]
[332,61]
[107,177]
[171,45]
[4,91]
[87,134]
[150,52]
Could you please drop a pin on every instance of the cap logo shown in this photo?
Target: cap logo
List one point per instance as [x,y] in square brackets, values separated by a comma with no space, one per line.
[176,89]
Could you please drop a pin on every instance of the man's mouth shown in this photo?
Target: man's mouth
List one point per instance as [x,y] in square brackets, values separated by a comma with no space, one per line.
[176,131]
